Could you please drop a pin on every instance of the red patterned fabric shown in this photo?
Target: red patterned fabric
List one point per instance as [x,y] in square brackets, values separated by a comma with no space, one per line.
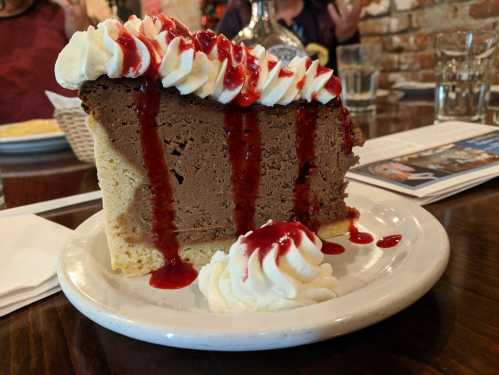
[29,45]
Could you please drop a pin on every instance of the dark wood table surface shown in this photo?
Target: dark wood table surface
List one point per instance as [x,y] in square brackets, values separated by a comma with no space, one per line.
[453,329]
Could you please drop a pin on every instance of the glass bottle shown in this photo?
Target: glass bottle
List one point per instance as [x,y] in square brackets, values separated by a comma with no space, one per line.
[264,29]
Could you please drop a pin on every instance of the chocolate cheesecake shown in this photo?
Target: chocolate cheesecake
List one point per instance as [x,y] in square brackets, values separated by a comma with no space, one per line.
[184,174]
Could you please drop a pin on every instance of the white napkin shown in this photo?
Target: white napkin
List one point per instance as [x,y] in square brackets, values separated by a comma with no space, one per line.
[61,101]
[29,246]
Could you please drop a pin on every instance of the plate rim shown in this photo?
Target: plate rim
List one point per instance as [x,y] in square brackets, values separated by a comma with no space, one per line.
[31,138]
[34,146]
[184,335]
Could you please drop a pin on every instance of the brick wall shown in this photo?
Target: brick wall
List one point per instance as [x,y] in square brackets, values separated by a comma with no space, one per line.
[406,29]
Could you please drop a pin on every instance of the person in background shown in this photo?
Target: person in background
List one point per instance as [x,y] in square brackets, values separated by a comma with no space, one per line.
[321,25]
[32,34]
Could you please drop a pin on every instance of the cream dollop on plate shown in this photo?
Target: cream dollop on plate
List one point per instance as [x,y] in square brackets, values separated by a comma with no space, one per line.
[274,267]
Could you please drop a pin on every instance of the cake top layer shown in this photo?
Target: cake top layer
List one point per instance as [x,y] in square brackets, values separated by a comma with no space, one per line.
[202,63]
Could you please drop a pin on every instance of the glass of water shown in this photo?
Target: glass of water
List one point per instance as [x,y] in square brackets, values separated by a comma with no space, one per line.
[359,66]
[465,63]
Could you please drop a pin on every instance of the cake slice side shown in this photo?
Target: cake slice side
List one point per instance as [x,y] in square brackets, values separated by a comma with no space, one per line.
[197,154]
[119,182]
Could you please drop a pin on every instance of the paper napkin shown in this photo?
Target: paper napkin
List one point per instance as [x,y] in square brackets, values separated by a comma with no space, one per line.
[29,246]
[61,101]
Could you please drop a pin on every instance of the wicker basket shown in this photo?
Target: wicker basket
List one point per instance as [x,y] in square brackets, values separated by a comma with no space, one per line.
[73,124]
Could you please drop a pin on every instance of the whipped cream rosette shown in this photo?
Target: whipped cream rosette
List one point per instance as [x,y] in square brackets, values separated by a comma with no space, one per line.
[200,63]
[276,266]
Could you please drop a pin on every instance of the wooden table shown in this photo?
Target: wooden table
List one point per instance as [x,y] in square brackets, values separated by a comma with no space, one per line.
[453,329]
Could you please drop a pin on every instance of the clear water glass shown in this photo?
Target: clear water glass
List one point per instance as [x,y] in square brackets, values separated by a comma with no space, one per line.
[465,63]
[359,66]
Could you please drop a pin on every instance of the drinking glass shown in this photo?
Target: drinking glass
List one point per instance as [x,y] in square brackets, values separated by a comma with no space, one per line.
[359,66]
[465,62]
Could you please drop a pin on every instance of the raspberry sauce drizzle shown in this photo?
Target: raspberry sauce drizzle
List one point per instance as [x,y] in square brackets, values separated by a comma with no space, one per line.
[172,27]
[306,121]
[234,73]
[285,73]
[154,49]
[185,45]
[223,48]
[321,70]
[204,41]
[358,237]
[131,56]
[355,235]
[244,147]
[271,64]
[175,273]
[389,241]
[301,83]
[332,248]
[280,233]
[249,93]
[333,85]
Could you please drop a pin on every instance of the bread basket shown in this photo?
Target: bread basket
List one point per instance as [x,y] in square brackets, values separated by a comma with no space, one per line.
[73,123]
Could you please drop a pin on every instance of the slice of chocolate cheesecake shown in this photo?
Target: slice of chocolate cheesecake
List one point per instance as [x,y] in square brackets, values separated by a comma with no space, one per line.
[247,140]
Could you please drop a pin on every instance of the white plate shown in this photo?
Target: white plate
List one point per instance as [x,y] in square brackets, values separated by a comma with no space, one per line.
[373,284]
[33,143]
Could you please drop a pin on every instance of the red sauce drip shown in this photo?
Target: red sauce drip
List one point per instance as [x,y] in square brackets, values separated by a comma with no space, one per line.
[271,64]
[333,85]
[131,56]
[172,27]
[237,53]
[346,125]
[224,48]
[284,73]
[167,23]
[321,70]
[308,62]
[352,214]
[185,45]
[141,28]
[332,248]
[249,93]
[281,233]
[244,146]
[204,41]
[247,98]
[181,29]
[154,49]
[301,83]
[358,237]
[389,241]
[306,120]
[234,76]
[175,273]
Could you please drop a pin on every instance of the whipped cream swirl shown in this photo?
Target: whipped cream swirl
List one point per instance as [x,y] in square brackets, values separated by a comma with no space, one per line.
[201,63]
[274,267]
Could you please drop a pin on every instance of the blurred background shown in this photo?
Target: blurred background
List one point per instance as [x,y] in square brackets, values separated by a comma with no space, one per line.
[405,28]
